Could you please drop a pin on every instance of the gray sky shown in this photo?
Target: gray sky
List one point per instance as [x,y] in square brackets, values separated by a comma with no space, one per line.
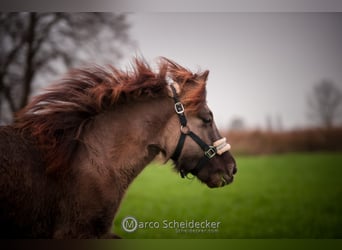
[261,64]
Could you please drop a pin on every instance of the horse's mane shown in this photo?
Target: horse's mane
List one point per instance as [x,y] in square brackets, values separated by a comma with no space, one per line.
[57,118]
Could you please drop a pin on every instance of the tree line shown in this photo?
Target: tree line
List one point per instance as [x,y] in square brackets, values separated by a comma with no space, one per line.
[37,46]
[324,108]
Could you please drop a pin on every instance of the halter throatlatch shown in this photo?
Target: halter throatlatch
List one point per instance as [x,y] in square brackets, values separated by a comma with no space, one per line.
[218,148]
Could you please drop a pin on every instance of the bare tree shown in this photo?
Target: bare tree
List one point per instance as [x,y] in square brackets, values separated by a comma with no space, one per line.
[34,45]
[325,102]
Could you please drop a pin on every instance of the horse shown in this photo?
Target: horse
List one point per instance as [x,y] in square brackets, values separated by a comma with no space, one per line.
[71,153]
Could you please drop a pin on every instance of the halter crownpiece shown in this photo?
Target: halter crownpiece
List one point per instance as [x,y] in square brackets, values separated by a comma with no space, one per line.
[219,147]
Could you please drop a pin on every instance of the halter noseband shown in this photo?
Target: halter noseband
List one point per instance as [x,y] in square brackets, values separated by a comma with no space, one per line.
[218,148]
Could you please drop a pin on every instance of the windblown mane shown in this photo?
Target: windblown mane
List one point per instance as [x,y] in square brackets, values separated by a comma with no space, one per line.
[57,118]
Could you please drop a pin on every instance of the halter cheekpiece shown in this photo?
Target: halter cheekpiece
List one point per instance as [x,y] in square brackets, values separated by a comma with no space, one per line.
[218,148]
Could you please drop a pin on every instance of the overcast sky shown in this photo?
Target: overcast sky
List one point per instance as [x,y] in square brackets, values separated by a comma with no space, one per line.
[261,64]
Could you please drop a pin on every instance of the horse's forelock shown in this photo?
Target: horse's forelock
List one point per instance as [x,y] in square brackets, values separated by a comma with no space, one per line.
[192,86]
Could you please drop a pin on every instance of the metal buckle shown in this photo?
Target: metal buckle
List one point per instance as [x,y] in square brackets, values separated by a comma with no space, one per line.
[210,153]
[185,129]
[179,108]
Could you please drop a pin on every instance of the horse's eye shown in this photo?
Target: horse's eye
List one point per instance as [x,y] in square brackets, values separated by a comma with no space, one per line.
[207,120]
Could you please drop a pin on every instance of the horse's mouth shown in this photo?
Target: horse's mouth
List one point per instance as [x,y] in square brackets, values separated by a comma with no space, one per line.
[220,181]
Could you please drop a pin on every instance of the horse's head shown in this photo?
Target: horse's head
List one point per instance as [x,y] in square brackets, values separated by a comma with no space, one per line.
[199,148]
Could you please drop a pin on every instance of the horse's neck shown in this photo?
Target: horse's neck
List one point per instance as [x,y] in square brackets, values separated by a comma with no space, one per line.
[121,142]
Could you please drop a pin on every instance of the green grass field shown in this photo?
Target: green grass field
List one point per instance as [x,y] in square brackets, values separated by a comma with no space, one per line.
[279,196]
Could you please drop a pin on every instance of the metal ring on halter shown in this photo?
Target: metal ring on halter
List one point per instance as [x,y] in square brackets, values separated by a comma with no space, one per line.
[185,129]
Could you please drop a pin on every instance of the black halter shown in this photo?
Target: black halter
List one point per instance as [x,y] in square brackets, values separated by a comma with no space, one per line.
[209,151]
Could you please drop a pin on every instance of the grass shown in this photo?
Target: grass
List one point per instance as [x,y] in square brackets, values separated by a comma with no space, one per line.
[279,196]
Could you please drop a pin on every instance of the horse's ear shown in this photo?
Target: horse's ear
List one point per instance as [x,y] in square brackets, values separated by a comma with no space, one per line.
[204,76]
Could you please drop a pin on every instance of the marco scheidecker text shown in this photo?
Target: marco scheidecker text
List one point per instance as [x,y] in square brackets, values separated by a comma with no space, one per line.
[131,224]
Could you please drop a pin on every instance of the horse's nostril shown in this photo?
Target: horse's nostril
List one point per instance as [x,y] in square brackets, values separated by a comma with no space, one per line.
[234,169]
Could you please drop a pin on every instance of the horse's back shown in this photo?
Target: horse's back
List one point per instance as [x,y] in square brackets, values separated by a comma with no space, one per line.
[20,177]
